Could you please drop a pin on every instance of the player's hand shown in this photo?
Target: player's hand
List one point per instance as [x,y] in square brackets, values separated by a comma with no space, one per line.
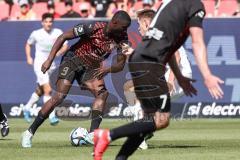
[213,85]
[126,49]
[45,66]
[173,87]
[186,84]
[30,61]
[100,73]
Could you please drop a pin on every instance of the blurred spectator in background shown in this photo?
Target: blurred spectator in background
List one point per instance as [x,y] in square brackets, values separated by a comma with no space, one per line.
[51,9]
[237,13]
[70,12]
[130,8]
[122,4]
[112,8]
[115,6]
[100,7]
[148,4]
[10,4]
[25,11]
[85,10]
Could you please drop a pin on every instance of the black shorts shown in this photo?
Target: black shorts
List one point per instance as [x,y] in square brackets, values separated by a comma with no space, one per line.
[147,69]
[150,101]
[71,68]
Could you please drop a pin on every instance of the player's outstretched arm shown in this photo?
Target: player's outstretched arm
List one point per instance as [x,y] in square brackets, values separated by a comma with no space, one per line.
[116,67]
[211,81]
[56,47]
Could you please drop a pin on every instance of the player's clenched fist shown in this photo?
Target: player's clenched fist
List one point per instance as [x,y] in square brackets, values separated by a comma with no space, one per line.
[45,66]
[126,49]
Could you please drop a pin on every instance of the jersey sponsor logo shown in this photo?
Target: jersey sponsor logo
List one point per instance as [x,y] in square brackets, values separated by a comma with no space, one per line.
[78,30]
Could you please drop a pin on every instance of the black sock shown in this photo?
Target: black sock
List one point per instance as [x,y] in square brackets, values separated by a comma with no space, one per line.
[130,146]
[2,117]
[37,122]
[143,126]
[96,120]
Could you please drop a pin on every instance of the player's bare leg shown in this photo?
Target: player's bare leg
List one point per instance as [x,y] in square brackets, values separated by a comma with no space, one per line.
[47,95]
[97,88]
[63,87]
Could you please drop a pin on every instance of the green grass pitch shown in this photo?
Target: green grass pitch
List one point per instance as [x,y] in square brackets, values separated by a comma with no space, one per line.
[196,139]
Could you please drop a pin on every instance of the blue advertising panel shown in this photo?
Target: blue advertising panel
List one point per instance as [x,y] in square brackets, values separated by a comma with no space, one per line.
[222,38]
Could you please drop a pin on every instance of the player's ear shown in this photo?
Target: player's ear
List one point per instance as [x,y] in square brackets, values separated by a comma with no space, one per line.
[114,21]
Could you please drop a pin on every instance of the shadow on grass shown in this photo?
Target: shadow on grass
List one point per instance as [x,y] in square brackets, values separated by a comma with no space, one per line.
[6,139]
[175,146]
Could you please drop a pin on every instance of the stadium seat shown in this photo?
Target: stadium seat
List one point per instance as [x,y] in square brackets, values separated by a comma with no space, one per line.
[227,8]
[39,8]
[15,10]
[60,7]
[157,4]
[138,5]
[4,10]
[209,7]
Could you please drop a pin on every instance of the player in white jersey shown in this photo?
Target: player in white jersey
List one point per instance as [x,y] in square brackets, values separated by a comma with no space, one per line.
[43,39]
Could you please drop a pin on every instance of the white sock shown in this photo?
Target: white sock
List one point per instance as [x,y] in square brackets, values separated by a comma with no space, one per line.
[46,98]
[52,114]
[34,98]
[137,111]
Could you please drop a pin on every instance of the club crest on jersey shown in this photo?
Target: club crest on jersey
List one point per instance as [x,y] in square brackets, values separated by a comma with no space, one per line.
[79,30]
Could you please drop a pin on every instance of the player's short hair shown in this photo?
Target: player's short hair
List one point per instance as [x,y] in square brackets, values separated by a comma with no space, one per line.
[47,15]
[146,13]
[122,16]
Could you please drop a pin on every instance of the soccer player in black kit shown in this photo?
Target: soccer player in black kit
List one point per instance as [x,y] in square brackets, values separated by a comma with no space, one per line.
[3,123]
[175,20]
[83,62]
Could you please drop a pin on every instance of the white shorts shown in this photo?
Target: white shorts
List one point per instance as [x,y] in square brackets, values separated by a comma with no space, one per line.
[178,92]
[42,78]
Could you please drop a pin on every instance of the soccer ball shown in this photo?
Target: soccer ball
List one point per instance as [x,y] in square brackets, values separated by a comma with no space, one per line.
[77,136]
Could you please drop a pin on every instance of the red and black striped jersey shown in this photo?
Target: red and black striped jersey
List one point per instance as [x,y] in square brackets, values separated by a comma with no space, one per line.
[94,46]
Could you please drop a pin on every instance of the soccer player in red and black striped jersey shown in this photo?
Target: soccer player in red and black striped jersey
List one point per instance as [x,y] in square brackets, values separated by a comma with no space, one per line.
[83,62]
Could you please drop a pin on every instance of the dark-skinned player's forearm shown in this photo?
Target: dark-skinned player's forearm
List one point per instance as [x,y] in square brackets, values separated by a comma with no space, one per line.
[121,60]
[59,42]
[56,47]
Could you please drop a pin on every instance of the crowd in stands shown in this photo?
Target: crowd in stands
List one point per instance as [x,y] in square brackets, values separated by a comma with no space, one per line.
[33,9]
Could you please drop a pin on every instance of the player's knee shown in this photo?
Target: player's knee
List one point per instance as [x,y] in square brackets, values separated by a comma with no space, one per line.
[100,101]
[39,91]
[47,91]
[102,94]
[58,98]
[161,123]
